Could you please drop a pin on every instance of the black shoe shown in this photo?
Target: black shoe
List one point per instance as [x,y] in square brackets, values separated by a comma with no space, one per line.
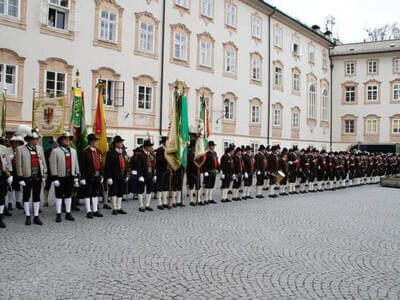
[235,199]
[244,198]
[227,200]
[206,202]
[6,212]
[273,196]
[192,204]
[160,207]
[28,220]
[142,209]
[149,208]
[89,215]
[223,200]
[121,212]
[58,218]
[265,189]
[98,214]
[165,206]
[114,212]
[212,201]
[10,208]
[181,205]
[37,221]
[202,203]
[69,217]
[106,206]
[18,205]
[260,196]
[2,225]
[250,197]
[174,205]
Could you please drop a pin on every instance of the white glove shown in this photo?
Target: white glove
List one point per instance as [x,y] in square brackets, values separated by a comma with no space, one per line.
[76,182]
[134,172]
[258,172]
[246,175]
[126,179]
[83,181]
[56,183]
[141,179]
[11,156]
[201,176]
[44,178]
[154,179]
[234,177]
[109,181]
[223,176]
[10,180]
[205,174]
[101,180]
[22,183]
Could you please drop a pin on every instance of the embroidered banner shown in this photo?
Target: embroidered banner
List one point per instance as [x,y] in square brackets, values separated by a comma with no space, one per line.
[49,115]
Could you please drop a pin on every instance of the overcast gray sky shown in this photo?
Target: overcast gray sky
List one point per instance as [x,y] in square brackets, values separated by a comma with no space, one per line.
[352,16]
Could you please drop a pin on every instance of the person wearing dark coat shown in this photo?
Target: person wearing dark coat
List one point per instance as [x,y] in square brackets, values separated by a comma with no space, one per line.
[248,162]
[227,174]
[238,172]
[293,170]
[210,169]
[162,173]
[192,175]
[284,167]
[146,175]
[260,168]
[116,174]
[273,168]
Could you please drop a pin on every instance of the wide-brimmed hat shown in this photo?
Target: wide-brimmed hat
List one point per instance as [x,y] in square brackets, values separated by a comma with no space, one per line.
[17,138]
[65,134]
[117,139]
[33,134]
[92,137]
[238,149]
[231,147]
[211,143]
[262,147]
[147,143]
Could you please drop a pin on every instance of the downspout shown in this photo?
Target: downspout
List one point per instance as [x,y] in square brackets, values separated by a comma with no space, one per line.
[162,68]
[269,75]
[331,112]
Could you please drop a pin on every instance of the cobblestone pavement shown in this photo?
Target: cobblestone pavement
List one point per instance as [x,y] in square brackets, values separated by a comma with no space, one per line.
[335,245]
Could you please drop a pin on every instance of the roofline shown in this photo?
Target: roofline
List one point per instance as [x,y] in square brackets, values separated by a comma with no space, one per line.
[368,42]
[364,53]
[296,21]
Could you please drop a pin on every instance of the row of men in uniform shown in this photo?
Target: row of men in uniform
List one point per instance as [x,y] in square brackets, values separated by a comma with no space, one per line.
[24,169]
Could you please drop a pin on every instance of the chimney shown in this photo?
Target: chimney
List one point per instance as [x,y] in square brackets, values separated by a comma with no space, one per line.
[328,35]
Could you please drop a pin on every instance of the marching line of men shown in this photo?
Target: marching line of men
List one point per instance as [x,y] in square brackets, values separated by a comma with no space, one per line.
[24,169]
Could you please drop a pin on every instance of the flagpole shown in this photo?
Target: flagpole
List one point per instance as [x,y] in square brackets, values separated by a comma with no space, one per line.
[198,185]
[4,118]
[33,104]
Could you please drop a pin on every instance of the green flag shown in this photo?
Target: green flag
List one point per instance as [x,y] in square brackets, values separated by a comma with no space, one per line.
[203,133]
[184,131]
[3,114]
[78,122]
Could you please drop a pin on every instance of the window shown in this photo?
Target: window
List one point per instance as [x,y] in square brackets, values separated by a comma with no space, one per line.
[277,117]
[55,84]
[396,91]
[231,15]
[183,3]
[396,126]
[295,120]
[325,59]
[278,76]
[145,97]
[108,91]
[350,68]
[254,146]
[278,37]
[206,8]
[9,8]
[256,65]
[311,54]
[325,105]
[205,53]
[255,114]
[108,26]
[256,27]
[228,110]
[350,93]
[372,126]
[372,67]
[372,91]
[229,61]
[58,14]
[180,46]
[349,126]
[146,37]
[296,46]
[8,79]
[312,109]
[296,82]
[396,66]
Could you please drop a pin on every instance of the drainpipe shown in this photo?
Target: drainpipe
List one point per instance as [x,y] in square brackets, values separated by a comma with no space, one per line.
[331,112]
[269,75]
[162,68]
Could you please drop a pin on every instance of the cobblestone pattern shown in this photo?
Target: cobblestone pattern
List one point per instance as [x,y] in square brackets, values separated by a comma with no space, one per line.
[335,245]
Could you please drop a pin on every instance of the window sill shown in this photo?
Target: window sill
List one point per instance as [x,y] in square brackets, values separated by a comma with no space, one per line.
[230,75]
[368,102]
[230,28]
[394,101]
[256,82]
[106,44]
[324,124]
[349,103]
[65,34]
[12,22]
[277,88]
[145,54]
[180,62]
[296,93]
[205,68]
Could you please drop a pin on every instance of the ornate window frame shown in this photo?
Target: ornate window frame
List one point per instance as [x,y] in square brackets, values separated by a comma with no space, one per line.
[147,17]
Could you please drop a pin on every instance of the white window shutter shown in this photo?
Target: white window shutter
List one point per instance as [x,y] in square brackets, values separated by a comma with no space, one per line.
[44,9]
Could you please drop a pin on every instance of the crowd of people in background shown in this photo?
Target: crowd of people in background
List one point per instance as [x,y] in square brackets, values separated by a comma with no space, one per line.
[115,177]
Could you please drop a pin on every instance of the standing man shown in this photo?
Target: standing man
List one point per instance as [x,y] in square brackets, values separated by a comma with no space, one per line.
[284,167]
[146,174]
[292,171]
[31,170]
[116,174]
[210,169]
[15,141]
[162,172]
[47,186]
[192,175]
[227,172]
[6,179]
[64,169]
[260,168]
[248,162]
[238,172]
[92,176]
[273,168]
